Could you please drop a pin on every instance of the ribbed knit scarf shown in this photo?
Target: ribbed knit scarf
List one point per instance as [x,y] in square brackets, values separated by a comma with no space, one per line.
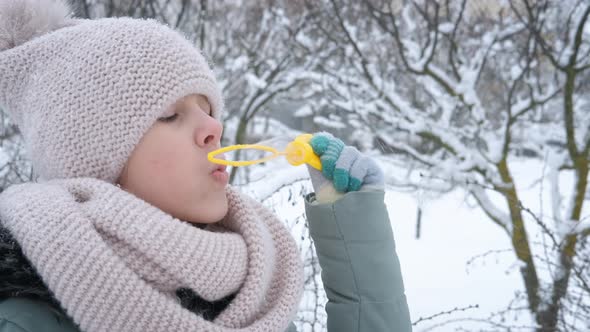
[114,261]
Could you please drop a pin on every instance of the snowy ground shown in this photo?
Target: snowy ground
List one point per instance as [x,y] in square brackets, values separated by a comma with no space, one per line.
[462,259]
[439,269]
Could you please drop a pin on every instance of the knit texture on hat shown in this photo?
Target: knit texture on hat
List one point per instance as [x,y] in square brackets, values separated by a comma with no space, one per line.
[114,262]
[84,92]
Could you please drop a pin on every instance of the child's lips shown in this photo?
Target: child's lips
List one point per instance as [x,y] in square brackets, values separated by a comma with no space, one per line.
[220,175]
[217,167]
[219,172]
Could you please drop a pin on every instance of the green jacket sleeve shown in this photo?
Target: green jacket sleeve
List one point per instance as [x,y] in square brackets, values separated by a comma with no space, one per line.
[360,268]
[26,315]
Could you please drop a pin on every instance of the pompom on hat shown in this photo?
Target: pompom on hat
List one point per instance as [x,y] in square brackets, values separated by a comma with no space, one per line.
[84,92]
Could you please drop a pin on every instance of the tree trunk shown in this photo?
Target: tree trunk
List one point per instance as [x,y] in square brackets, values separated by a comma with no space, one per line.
[548,318]
[519,237]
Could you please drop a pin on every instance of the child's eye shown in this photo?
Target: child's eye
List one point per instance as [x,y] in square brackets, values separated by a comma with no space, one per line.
[168,118]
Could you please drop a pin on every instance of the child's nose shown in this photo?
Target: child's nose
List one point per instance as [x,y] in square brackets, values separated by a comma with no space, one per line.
[209,133]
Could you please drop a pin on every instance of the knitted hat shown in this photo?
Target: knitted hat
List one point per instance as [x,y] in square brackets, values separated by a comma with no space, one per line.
[84,92]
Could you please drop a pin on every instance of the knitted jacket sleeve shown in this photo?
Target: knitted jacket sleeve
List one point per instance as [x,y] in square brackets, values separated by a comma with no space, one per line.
[360,268]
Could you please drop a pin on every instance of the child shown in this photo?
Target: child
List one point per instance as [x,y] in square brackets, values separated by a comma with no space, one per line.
[130,228]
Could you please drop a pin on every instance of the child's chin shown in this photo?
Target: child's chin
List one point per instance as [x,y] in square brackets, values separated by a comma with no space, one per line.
[212,216]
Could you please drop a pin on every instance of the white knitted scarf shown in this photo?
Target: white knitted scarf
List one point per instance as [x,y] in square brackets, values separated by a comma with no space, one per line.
[114,261]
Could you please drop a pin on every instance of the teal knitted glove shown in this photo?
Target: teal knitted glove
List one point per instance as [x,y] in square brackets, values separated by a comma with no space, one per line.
[344,168]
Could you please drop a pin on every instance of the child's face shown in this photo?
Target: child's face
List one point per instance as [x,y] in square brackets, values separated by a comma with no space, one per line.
[169,167]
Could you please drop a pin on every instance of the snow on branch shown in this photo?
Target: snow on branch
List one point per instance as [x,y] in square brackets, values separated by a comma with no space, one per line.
[498,215]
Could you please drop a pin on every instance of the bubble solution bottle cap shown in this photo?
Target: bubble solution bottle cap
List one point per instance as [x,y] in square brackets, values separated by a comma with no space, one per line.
[297,152]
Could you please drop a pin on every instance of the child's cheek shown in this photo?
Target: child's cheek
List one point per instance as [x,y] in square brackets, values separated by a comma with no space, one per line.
[163,160]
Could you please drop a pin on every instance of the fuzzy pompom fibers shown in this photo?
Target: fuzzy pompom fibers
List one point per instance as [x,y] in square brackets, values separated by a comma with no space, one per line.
[23,20]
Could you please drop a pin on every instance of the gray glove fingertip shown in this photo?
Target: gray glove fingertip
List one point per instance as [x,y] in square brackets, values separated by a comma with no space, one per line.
[375,174]
[344,163]
[358,171]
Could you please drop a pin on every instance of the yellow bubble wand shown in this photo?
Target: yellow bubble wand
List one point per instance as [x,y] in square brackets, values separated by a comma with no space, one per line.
[297,152]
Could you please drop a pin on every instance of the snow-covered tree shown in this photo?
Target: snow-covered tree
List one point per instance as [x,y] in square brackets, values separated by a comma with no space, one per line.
[461,91]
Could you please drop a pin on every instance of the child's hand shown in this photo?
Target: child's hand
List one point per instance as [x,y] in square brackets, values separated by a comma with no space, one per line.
[344,169]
